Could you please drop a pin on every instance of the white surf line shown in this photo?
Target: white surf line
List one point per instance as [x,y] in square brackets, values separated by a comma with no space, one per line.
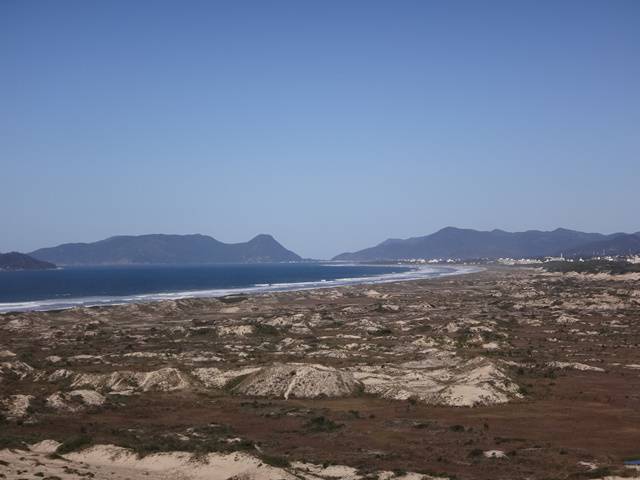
[415,273]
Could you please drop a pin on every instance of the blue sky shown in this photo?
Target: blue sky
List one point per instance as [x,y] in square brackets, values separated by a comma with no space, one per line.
[331,125]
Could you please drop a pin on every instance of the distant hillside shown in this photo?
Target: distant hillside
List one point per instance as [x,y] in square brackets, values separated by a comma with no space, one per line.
[616,244]
[461,243]
[166,249]
[20,261]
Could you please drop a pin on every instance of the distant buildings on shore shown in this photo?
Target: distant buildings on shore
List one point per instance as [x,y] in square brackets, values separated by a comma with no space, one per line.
[518,261]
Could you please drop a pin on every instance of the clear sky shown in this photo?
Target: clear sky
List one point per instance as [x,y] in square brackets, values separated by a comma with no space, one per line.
[332,125]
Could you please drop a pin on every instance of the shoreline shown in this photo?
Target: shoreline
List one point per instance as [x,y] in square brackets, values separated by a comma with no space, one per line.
[414,273]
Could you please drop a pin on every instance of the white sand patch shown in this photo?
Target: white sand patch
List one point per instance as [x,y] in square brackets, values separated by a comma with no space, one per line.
[143,355]
[633,276]
[16,406]
[465,384]
[163,380]
[109,462]
[494,454]
[566,320]
[280,322]
[370,326]
[181,464]
[212,377]
[575,366]
[238,330]
[332,471]
[60,375]
[588,465]
[390,307]
[330,354]
[372,293]
[199,357]
[298,380]
[17,324]
[75,400]
[407,476]
[230,310]
[113,463]
[300,329]
[86,358]
[530,322]
[451,327]
[353,310]
[17,369]
[613,477]
[431,343]
[45,446]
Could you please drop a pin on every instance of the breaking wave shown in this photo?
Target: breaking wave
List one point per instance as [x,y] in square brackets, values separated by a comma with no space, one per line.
[415,273]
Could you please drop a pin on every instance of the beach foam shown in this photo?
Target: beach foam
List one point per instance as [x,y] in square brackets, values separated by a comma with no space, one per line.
[415,273]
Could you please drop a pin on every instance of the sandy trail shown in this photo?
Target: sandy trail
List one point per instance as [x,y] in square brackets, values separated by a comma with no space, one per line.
[109,462]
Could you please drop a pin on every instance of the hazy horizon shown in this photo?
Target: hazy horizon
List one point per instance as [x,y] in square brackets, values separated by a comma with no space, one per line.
[330,126]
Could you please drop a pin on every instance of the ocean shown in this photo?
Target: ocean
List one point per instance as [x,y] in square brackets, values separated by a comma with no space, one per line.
[89,286]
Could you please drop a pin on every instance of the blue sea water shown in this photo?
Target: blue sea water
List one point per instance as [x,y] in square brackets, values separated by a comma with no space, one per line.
[84,286]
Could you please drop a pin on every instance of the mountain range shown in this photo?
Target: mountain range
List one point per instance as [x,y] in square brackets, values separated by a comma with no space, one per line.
[616,244]
[20,261]
[166,249]
[451,242]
